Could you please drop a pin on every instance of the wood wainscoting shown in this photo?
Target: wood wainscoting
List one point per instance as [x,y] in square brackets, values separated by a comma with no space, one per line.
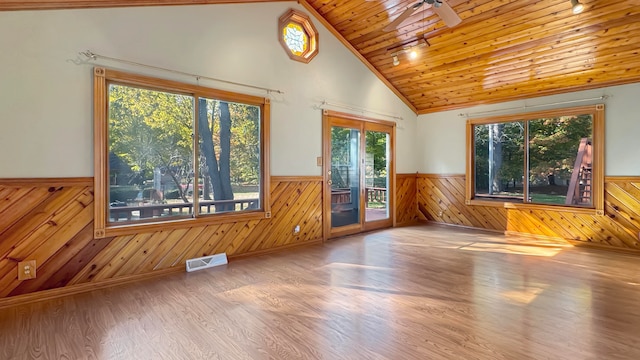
[406,205]
[441,199]
[51,221]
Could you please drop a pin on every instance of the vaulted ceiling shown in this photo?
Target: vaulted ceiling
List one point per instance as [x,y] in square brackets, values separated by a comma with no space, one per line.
[502,49]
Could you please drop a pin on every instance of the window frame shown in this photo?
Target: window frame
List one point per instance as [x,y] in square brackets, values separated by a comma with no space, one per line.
[597,205]
[304,21]
[101,80]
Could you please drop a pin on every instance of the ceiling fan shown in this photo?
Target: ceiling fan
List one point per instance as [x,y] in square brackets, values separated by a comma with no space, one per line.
[440,7]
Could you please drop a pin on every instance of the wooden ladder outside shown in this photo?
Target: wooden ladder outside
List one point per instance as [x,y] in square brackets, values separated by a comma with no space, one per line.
[580,189]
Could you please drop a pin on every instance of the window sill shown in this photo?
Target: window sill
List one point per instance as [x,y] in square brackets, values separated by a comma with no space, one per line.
[529,206]
[113,229]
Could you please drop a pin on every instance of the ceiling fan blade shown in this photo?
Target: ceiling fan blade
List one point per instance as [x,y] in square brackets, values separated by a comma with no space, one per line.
[447,14]
[400,19]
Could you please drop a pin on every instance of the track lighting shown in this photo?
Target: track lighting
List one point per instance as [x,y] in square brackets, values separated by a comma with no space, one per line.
[576,7]
[410,50]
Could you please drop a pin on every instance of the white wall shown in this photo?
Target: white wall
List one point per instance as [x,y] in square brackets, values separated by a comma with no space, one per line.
[46,100]
[441,136]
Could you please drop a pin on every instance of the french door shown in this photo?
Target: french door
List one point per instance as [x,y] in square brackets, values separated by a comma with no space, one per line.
[359,171]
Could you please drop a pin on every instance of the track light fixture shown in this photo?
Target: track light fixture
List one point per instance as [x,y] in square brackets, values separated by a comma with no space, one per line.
[411,51]
[576,7]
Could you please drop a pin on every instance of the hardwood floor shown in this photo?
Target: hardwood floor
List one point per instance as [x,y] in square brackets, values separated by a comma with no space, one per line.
[422,292]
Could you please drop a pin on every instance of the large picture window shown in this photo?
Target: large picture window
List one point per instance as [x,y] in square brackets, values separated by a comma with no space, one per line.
[546,158]
[169,151]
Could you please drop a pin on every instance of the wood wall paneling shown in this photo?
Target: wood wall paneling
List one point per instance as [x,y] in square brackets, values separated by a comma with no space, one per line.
[54,226]
[406,205]
[441,199]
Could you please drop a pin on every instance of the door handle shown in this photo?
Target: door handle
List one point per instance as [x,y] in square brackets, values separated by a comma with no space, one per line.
[329,182]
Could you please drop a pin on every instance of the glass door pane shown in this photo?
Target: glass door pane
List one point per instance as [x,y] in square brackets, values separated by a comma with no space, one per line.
[376,175]
[345,176]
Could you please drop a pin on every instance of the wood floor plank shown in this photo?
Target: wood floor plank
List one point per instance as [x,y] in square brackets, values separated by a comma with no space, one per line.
[417,292]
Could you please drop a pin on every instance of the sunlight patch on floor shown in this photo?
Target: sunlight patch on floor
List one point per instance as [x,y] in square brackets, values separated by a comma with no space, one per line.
[525,296]
[339,265]
[513,249]
[441,244]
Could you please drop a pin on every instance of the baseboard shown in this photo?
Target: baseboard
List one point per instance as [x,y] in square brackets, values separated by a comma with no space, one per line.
[408,223]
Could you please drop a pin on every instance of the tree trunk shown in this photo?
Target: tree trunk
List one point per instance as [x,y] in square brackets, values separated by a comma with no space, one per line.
[225,150]
[219,171]
[207,188]
[495,157]
[182,191]
[208,150]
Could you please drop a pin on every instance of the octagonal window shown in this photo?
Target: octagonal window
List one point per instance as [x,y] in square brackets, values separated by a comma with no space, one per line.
[298,36]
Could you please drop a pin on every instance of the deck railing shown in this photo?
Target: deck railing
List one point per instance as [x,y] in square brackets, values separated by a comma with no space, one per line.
[373,194]
[131,212]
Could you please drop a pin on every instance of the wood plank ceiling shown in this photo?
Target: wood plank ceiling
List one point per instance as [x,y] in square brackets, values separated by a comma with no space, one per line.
[502,50]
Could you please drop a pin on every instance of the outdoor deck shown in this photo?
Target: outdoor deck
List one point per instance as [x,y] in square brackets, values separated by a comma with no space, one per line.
[143,211]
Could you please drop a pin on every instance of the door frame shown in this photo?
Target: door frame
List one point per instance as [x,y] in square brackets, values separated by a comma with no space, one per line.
[330,118]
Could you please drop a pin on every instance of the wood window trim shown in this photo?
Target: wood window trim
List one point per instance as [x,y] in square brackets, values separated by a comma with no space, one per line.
[101,80]
[598,160]
[304,21]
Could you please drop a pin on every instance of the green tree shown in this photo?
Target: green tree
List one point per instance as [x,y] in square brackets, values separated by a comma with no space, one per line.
[245,143]
[217,162]
[376,146]
[553,145]
[508,166]
[152,129]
